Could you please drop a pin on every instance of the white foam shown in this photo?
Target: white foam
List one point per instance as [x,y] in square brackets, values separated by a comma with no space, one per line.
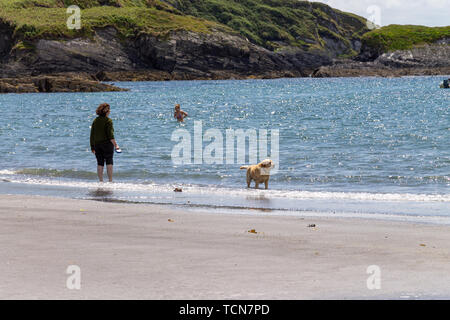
[7,172]
[235,192]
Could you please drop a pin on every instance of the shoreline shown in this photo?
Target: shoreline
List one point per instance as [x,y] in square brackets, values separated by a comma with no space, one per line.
[70,82]
[355,70]
[83,82]
[128,251]
[387,207]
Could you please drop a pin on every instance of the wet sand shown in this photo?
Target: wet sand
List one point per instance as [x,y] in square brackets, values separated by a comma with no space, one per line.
[137,251]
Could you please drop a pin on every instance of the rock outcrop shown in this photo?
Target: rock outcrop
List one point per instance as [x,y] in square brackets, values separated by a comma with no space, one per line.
[6,40]
[220,55]
[181,55]
[55,83]
[424,56]
[427,59]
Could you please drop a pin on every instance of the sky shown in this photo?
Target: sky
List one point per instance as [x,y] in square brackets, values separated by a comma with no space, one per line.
[384,12]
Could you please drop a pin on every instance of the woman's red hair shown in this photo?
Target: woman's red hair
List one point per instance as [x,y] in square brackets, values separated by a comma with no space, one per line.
[103,109]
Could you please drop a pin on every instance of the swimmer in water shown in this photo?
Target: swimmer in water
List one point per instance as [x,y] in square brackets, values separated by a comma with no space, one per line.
[179,114]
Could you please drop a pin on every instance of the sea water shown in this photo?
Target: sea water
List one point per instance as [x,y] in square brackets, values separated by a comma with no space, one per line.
[377,147]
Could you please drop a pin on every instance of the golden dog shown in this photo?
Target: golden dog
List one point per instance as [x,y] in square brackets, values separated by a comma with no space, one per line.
[259,173]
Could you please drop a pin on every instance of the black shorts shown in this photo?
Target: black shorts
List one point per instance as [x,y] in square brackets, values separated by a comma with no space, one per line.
[104,152]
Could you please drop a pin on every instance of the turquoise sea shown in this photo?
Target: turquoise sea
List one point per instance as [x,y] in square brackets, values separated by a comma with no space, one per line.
[373,147]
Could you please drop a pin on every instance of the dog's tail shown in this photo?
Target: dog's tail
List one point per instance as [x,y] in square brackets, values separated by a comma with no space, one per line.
[244,167]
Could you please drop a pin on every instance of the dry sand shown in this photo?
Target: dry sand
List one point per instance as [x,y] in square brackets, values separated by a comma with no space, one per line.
[131,251]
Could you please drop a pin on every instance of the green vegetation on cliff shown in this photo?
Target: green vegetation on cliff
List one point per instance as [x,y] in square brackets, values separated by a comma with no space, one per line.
[33,19]
[277,23]
[403,37]
[271,23]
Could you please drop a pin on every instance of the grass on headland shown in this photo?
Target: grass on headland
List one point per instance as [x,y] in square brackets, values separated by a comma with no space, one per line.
[40,22]
[404,37]
[81,3]
[270,23]
[274,23]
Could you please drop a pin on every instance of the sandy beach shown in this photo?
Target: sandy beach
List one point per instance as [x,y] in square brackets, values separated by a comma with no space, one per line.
[133,251]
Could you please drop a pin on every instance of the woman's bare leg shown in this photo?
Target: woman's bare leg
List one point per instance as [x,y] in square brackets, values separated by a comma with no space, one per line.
[109,170]
[100,173]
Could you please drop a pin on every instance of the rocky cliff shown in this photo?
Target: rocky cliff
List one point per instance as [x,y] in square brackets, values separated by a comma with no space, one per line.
[205,39]
[131,46]
[182,55]
[424,59]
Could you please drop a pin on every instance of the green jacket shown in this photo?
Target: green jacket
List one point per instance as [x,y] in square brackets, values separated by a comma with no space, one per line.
[102,130]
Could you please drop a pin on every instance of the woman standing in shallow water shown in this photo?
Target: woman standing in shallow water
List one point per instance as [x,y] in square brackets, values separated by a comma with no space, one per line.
[103,142]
